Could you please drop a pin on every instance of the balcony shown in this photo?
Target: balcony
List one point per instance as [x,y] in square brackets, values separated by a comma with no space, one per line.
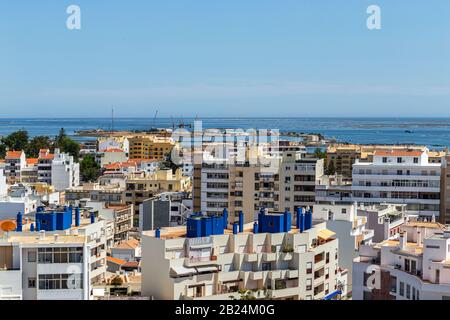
[286,256]
[275,274]
[283,293]
[200,261]
[256,275]
[251,257]
[269,257]
[291,274]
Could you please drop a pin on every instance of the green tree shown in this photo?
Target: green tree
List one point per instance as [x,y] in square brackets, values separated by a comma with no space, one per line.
[89,169]
[331,170]
[16,141]
[36,144]
[2,150]
[318,153]
[60,137]
[69,146]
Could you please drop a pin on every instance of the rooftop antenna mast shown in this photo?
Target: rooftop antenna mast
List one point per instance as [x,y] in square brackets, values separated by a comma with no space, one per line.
[112,118]
[154,119]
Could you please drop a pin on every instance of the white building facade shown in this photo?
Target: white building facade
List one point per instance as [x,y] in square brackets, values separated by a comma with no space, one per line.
[399,177]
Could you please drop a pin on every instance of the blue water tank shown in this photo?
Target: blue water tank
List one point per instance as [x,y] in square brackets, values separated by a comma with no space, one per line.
[19,222]
[77,216]
[287,223]
[158,233]
[241,221]
[32,227]
[218,224]
[308,219]
[38,225]
[255,227]
[46,220]
[63,220]
[193,226]
[235,228]
[225,218]
[207,226]
[271,223]
[92,217]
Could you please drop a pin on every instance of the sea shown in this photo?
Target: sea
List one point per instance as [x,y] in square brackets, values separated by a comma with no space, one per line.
[432,132]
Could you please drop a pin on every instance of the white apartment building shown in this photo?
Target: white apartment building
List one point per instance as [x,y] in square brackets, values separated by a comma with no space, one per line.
[39,266]
[414,267]
[350,229]
[386,220]
[399,177]
[113,143]
[19,199]
[65,172]
[283,265]
[214,187]
[55,264]
[111,155]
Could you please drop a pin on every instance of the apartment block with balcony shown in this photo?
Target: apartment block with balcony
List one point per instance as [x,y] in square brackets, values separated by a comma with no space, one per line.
[15,162]
[350,228]
[399,177]
[298,178]
[60,254]
[262,260]
[386,220]
[65,171]
[414,267]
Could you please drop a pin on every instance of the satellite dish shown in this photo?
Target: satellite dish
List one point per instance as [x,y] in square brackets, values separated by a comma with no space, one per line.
[8,226]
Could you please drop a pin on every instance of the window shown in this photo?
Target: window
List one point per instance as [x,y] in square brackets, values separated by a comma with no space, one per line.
[31,256]
[385,159]
[309,267]
[31,282]
[402,289]
[408,291]
[407,266]
[399,160]
[416,160]
[266,266]
[60,281]
[393,288]
[308,284]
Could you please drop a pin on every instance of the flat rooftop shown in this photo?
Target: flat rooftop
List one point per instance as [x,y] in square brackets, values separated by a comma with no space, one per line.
[34,237]
[180,232]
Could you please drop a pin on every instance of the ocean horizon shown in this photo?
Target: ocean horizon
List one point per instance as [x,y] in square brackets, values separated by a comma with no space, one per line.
[433,132]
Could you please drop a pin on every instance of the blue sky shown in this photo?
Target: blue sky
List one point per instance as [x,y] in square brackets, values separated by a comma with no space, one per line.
[225,58]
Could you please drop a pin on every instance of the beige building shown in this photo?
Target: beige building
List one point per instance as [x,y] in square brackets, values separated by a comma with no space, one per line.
[150,147]
[286,265]
[140,187]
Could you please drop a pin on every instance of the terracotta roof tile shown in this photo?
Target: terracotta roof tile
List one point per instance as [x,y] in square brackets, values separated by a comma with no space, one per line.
[13,154]
[116,260]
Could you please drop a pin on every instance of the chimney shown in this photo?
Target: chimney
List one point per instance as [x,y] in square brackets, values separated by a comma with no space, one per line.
[419,238]
[56,236]
[403,240]
[42,235]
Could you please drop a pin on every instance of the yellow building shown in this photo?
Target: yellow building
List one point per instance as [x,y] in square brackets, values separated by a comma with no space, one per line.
[150,147]
[140,187]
